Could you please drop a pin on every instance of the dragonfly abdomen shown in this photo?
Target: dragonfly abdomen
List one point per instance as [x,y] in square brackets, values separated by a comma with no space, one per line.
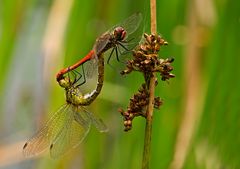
[92,96]
[76,97]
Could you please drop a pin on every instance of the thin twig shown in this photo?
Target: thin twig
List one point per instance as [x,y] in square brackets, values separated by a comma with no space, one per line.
[153,16]
[149,112]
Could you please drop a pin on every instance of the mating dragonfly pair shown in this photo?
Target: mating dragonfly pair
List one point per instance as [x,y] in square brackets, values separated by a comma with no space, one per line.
[70,124]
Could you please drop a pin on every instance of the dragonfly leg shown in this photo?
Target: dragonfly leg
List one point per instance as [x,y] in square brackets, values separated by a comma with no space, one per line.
[116,50]
[68,74]
[76,79]
[121,53]
[84,77]
[110,56]
[124,41]
[123,44]
[74,76]
[124,47]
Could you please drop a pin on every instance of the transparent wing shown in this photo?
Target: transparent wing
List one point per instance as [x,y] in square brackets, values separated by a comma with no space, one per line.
[91,68]
[71,135]
[101,42]
[90,71]
[97,122]
[131,23]
[45,136]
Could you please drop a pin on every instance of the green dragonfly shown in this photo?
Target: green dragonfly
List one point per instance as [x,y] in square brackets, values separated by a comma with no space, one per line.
[70,124]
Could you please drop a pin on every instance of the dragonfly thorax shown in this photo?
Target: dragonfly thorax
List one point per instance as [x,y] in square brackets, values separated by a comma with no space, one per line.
[74,96]
[119,33]
[114,38]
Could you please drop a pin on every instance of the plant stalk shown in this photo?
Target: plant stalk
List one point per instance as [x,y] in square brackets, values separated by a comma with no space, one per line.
[150,107]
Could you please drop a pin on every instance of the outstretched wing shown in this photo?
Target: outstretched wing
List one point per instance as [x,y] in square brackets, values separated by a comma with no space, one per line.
[91,67]
[101,42]
[97,122]
[131,23]
[45,136]
[73,133]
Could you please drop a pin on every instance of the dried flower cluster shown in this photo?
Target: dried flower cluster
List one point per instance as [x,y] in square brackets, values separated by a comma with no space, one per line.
[146,60]
[137,106]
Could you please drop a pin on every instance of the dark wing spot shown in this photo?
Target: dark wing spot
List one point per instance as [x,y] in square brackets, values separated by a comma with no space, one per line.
[25,145]
[51,146]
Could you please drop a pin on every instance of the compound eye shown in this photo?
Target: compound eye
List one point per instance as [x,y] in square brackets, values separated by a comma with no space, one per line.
[119,33]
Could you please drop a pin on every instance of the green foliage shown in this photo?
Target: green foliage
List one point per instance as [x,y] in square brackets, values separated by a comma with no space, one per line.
[26,95]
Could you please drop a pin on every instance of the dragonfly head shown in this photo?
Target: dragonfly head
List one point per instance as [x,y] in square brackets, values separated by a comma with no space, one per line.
[64,82]
[119,33]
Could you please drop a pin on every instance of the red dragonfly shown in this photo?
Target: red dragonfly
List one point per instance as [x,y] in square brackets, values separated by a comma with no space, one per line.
[113,39]
[68,126]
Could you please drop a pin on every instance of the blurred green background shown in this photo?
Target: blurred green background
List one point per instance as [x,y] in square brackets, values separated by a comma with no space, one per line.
[196,128]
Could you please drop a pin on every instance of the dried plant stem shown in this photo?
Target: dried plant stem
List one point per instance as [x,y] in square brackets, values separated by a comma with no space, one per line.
[153,16]
[151,85]
[148,127]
